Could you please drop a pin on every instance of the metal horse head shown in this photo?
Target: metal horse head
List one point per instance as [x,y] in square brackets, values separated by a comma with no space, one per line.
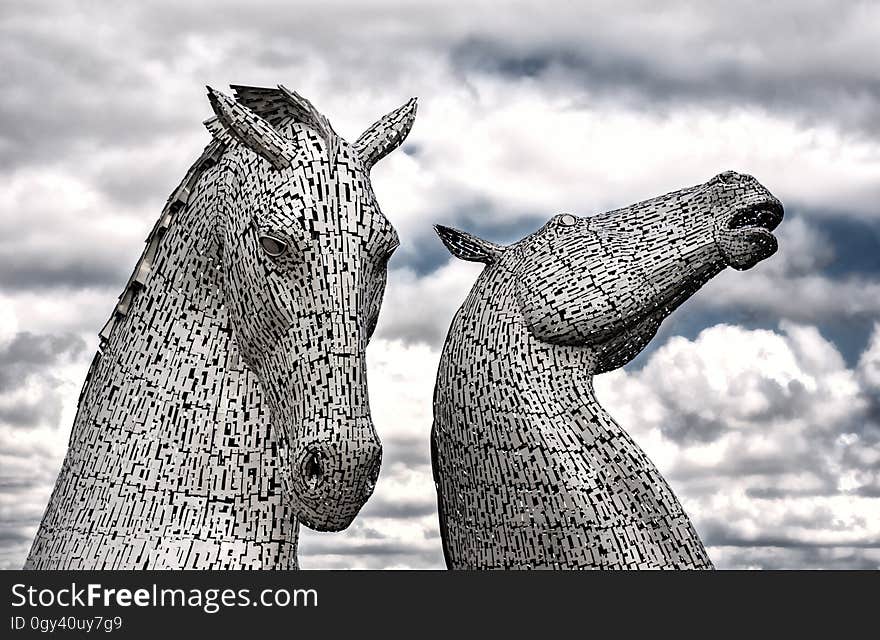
[530,470]
[304,254]
[607,281]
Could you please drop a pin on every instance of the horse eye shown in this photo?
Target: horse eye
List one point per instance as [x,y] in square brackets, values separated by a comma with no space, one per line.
[273,246]
[568,220]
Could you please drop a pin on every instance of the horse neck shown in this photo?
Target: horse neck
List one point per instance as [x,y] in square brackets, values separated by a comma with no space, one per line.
[539,443]
[169,415]
[489,330]
[173,348]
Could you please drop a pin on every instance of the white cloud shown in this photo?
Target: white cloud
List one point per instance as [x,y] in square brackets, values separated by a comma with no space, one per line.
[869,363]
[525,152]
[766,437]
[420,309]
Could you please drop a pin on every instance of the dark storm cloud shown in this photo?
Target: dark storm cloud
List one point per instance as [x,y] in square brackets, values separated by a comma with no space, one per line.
[48,243]
[13,537]
[783,401]
[800,557]
[79,79]
[36,270]
[649,84]
[36,351]
[692,428]
[410,508]
[78,75]
[19,483]
[121,184]
[28,414]
[29,359]
[478,216]
[717,533]
[789,403]
[29,354]
[855,243]
[423,255]
[816,465]
[21,478]
[776,493]
[67,95]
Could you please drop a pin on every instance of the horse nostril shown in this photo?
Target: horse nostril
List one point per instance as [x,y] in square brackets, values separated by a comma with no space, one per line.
[313,470]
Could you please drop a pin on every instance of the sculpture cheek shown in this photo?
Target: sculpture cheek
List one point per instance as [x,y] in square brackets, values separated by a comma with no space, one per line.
[544,318]
[569,307]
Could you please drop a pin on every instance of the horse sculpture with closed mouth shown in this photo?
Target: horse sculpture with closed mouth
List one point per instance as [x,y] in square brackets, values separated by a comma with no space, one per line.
[530,471]
[227,402]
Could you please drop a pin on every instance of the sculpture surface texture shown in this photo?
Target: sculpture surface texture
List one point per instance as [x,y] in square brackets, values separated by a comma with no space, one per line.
[227,402]
[530,471]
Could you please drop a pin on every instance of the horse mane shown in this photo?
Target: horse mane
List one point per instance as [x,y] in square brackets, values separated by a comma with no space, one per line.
[279,107]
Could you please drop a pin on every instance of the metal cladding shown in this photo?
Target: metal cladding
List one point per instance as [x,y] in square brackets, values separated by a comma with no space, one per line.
[530,471]
[227,402]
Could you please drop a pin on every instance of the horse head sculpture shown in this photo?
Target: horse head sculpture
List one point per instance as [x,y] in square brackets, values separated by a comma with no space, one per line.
[228,400]
[304,253]
[530,470]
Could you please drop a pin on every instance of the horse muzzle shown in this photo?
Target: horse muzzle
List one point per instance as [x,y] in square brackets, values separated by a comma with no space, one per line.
[746,238]
[331,480]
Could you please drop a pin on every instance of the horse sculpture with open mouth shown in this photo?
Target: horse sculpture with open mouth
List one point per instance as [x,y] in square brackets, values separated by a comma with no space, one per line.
[227,402]
[530,471]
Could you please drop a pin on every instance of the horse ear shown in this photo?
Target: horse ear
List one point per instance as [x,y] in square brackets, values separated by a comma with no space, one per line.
[251,130]
[468,247]
[386,134]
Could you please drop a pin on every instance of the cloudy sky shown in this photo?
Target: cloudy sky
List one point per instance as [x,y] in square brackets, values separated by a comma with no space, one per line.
[759,399]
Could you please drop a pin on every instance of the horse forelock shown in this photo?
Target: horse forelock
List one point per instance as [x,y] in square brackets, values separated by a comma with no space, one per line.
[281,107]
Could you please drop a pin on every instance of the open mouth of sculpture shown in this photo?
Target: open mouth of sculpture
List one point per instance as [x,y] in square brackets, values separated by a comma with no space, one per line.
[748,238]
[761,215]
